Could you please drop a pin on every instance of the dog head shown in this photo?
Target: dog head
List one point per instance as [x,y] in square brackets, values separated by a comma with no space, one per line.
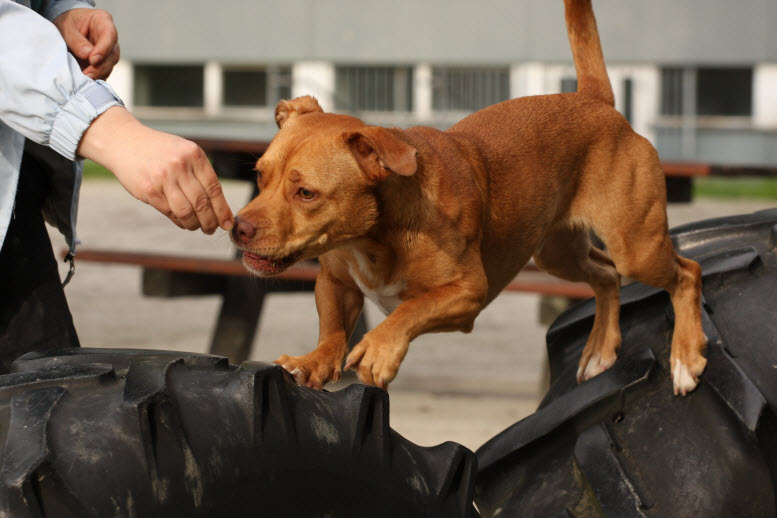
[317,185]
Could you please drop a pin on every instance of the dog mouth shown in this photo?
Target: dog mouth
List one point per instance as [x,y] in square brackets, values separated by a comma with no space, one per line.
[264,265]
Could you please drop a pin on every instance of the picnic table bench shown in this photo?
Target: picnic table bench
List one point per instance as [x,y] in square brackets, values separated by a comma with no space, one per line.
[243,296]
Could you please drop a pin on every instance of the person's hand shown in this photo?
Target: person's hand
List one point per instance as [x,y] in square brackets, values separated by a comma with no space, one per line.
[91,37]
[168,172]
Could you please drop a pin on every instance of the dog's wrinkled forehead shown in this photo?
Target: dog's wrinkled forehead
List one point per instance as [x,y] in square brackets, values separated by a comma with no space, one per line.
[309,138]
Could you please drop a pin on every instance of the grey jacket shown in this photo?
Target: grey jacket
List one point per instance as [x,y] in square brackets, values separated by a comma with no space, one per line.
[45,98]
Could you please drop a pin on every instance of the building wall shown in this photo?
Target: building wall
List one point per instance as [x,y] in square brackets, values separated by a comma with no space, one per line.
[442,31]
[765,96]
[313,37]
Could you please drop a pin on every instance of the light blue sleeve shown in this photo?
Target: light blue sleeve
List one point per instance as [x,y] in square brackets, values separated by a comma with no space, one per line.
[43,94]
[58,7]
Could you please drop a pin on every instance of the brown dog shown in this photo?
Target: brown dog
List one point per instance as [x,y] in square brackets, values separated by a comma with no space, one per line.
[432,225]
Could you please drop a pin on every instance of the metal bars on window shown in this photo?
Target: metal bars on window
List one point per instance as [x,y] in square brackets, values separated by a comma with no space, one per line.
[468,89]
[169,85]
[374,88]
[672,91]
[256,86]
[725,92]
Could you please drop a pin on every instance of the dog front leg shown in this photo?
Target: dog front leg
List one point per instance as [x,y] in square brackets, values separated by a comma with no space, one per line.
[447,308]
[338,310]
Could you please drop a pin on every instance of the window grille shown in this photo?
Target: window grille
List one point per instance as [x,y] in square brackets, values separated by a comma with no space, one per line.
[628,99]
[373,88]
[469,88]
[719,91]
[724,91]
[568,85]
[169,85]
[672,91]
[254,86]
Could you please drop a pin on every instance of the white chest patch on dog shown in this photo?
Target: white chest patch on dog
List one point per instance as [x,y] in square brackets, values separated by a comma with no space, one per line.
[385,296]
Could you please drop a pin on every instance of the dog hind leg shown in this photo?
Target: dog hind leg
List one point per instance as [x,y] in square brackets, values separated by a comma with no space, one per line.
[569,254]
[643,251]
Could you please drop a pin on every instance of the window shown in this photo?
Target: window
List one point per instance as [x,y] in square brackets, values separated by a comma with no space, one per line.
[251,86]
[724,91]
[568,85]
[719,91]
[368,88]
[169,85]
[469,88]
[628,99]
[672,91]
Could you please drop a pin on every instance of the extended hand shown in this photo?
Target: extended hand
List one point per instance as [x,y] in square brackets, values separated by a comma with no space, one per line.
[92,38]
[168,172]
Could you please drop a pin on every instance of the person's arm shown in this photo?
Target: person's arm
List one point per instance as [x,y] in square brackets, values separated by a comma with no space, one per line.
[168,172]
[45,96]
[58,7]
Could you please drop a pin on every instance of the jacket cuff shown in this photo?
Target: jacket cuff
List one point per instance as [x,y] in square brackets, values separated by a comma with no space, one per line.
[78,113]
[60,6]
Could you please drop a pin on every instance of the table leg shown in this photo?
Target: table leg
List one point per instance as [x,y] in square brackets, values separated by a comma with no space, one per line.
[238,318]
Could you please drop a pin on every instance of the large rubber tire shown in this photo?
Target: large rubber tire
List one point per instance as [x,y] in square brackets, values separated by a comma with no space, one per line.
[125,433]
[621,444]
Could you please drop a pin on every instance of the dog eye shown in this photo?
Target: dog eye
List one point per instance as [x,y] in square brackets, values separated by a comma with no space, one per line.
[306,194]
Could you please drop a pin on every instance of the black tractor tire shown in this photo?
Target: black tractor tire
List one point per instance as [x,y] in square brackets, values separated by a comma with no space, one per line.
[621,444]
[130,433]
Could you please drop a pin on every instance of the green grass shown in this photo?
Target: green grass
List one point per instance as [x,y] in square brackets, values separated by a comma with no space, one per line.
[735,188]
[96,171]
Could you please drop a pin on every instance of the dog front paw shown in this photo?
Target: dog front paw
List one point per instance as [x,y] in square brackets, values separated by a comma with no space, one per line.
[312,370]
[376,360]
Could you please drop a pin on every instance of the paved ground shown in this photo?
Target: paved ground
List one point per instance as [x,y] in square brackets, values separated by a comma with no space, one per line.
[464,388]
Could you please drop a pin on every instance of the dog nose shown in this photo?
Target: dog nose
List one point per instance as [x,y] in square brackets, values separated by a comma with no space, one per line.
[243,229]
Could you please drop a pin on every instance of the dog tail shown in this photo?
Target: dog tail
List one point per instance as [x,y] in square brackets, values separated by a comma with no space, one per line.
[592,79]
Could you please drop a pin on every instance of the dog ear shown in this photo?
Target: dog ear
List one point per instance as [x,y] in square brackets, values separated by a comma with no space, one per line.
[291,108]
[378,152]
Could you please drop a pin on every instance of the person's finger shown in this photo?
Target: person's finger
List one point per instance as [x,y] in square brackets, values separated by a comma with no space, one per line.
[103,34]
[180,206]
[159,202]
[104,68]
[176,221]
[76,42]
[200,202]
[212,187]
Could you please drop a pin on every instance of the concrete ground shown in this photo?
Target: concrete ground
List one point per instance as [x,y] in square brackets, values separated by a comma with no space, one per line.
[463,388]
